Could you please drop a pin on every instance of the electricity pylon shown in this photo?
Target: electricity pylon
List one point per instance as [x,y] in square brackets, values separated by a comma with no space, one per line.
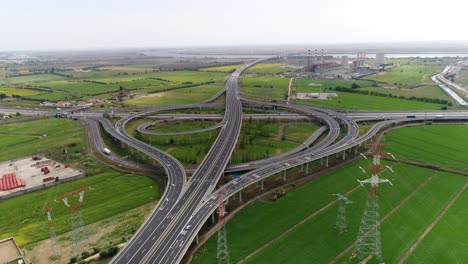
[368,243]
[53,238]
[79,235]
[340,225]
[223,252]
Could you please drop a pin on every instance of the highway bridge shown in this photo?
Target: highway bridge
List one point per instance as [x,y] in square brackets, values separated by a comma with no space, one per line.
[187,203]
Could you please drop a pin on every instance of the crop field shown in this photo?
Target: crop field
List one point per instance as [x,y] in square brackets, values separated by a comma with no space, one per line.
[226,69]
[112,193]
[446,243]
[316,240]
[27,138]
[179,126]
[271,68]
[173,76]
[32,78]
[436,144]
[417,197]
[9,91]
[425,91]
[181,96]
[408,75]
[369,102]
[326,84]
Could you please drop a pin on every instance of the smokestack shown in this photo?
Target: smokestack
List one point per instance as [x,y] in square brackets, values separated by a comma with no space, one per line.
[308,60]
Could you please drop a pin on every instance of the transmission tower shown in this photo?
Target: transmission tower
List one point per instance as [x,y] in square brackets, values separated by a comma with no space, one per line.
[223,252]
[79,235]
[53,238]
[368,243]
[341,217]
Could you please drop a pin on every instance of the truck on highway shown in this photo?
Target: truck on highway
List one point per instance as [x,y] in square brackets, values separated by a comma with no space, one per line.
[410,116]
[106,151]
[439,116]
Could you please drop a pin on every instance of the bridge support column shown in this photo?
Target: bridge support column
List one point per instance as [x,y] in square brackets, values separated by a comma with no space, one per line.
[302,167]
[321,161]
[344,154]
[196,239]
[284,175]
[307,168]
[337,155]
[355,150]
[262,186]
[212,218]
[240,196]
[326,162]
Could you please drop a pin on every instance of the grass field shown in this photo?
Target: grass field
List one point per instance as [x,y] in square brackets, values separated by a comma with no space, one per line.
[181,96]
[408,75]
[421,92]
[271,68]
[33,78]
[111,193]
[316,240]
[226,69]
[446,243]
[9,91]
[436,144]
[369,102]
[27,138]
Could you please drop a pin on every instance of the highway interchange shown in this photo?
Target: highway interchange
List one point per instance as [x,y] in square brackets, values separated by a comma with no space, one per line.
[187,204]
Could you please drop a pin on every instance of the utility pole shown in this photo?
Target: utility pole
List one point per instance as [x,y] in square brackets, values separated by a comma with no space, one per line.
[368,243]
[340,225]
[53,238]
[79,236]
[223,252]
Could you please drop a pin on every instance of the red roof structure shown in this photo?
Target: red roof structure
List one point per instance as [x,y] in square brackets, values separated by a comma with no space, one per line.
[10,181]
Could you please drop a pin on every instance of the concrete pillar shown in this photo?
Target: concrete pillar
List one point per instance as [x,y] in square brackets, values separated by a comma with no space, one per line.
[321,161]
[344,155]
[284,175]
[337,155]
[212,218]
[355,150]
[302,167]
[307,168]
[240,196]
[227,201]
[262,185]
[196,239]
[326,162]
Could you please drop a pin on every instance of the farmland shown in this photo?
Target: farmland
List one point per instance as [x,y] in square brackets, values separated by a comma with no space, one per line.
[462,77]
[271,68]
[425,91]
[181,96]
[408,75]
[9,91]
[112,193]
[426,192]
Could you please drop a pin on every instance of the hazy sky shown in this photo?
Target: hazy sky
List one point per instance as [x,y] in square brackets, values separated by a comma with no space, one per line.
[85,24]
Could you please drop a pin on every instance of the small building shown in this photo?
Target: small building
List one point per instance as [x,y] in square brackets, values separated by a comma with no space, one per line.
[46,103]
[10,252]
[63,103]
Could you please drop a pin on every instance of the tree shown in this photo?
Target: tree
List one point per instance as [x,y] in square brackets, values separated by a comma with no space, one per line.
[355,86]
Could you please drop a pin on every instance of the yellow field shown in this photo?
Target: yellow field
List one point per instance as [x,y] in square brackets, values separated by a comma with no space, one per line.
[9,91]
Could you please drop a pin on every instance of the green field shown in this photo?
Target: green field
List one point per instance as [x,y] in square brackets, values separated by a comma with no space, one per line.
[271,68]
[111,193]
[421,92]
[315,241]
[227,68]
[181,96]
[32,78]
[436,144]
[27,138]
[408,75]
[9,91]
[368,102]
